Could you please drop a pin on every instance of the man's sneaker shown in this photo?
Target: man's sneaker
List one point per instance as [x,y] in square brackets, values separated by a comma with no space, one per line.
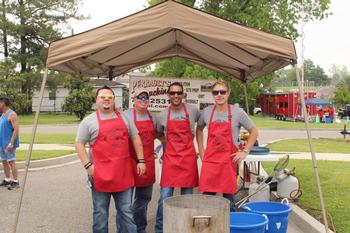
[5,183]
[13,185]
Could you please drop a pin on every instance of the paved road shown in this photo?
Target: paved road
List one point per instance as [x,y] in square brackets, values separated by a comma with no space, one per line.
[50,128]
[58,201]
[268,135]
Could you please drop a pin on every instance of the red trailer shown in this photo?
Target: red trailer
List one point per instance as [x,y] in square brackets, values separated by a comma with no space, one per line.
[284,105]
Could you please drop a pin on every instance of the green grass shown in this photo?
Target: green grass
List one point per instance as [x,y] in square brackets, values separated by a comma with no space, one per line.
[42,154]
[49,138]
[322,145]
[260,122]
[49,118]
[269,122]
[335,186]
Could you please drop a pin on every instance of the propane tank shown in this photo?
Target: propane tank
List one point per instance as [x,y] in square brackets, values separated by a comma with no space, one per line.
[287,185]
[259,190]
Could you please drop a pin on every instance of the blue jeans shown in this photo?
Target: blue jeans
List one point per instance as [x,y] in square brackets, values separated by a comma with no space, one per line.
[143,196]
[101,200]
[165,193]
[230,197]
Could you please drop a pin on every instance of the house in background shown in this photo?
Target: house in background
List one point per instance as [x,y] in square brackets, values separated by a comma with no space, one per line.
[53,101]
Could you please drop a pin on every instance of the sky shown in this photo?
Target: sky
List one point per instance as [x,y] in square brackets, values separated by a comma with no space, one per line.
[326,42]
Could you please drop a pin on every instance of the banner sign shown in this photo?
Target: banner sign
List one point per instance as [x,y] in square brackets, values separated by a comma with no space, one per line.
[197,92]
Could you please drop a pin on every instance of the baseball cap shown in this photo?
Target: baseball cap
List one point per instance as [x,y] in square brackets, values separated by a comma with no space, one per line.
[140,91]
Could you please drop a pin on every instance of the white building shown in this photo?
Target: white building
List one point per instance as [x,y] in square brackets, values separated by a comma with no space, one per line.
[52,102]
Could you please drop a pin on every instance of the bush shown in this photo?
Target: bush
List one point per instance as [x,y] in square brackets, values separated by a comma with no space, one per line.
[80,97]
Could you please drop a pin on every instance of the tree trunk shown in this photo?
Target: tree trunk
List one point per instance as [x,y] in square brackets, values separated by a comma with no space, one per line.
[22,38]
[4,29]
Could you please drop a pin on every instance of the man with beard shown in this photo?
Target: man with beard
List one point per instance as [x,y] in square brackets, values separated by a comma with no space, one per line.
[109,164]
[179,166]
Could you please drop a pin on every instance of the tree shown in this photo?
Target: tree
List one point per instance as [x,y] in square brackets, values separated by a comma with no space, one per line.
[10,86]
[342,95]
[339,75]
[277,17]
[312,72]
[81,96]
[27,28]
[315,73]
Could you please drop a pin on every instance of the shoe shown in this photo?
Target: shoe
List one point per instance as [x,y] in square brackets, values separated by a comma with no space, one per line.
[5,183]
[13,185]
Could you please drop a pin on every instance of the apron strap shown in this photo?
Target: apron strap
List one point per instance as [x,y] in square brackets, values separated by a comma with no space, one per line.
[188,120]
[148,113]
[98,117]
[118,113]
[211,117]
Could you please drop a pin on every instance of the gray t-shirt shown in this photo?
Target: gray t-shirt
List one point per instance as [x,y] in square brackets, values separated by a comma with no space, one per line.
[129,114]
[239,118]
[88,128]
[193,113]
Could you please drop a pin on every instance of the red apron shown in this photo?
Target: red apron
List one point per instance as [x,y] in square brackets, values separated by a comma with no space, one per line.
[146,132]
[112,162]
[218,172]
[179,167]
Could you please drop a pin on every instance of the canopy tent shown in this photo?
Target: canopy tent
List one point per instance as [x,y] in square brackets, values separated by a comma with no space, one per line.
[317,101]
[171,29]
[167,30]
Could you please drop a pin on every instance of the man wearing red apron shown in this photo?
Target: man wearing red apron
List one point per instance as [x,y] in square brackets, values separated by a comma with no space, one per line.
[109,166]
[145,124]
[220,158]
[179,166]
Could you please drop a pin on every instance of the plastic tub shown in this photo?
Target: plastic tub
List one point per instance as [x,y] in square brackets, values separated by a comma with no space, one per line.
[245,222]
[276,212]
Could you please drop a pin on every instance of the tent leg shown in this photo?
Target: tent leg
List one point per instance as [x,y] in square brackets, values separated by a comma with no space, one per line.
[312,149]
[29,152]
[246,97]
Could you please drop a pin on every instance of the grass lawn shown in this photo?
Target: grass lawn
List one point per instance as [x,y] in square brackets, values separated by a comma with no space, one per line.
[49,118]
[49,138]
[42,154]
[335,186]
[269,122]
[260,122]
[322,145]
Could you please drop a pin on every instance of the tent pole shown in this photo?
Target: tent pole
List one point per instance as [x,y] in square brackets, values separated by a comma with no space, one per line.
[312,149]
[244,78]
[246,97]
[30,149]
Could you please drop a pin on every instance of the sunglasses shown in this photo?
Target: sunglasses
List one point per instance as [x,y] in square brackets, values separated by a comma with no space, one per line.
[142,97]
[221,92]
[106,97]
[172,93]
